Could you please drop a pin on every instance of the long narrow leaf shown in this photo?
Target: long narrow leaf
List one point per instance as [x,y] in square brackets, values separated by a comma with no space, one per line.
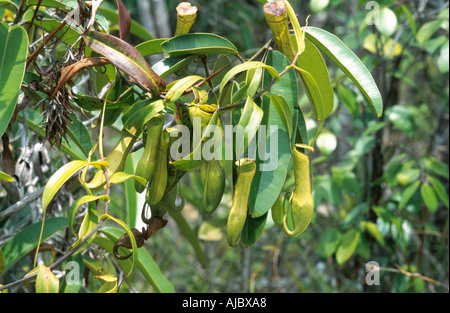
[26,240]
[349,63]
[195,44]
[13,54]
[311,61]
[127,58]
[61,176]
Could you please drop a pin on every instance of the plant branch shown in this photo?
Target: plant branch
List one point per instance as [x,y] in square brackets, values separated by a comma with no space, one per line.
[16,207]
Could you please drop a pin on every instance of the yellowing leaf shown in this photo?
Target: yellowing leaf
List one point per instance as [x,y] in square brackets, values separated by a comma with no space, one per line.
[81,201]
[46,281]
[299,35]
[6,177]
[109,283]
[177,88]
[120,177]
[245,67]
[62,175]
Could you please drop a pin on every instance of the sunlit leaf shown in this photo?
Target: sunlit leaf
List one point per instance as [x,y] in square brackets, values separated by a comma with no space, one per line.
[6,177]
[81,201]
[46,281]
[109,283]
[348,246]
[245,67]
[373,230]
[62,175]
[176,89]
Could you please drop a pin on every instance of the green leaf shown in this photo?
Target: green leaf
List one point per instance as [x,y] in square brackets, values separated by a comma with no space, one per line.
[429,197]
[329,242]
[8,4]
[268,183]
[253,229]
[177,88]
[349,63]
[73,268]
[67,34]
[151,47]
[26,240]
[130,234]
[298,32]
[246,67]
[196,44]
[311,61]
[166,67]
[410,17]
[373,230]
[440,190]
[284,112]
[61,176]
[6,177]
[250,121]
[145,263]
[427,31]
[46,281]
[79,135]
[435,166]
[13,56]
[142,111]
[348,246]
[81,201]
[130,195]
[443,59]
[120,177]
[408,193]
